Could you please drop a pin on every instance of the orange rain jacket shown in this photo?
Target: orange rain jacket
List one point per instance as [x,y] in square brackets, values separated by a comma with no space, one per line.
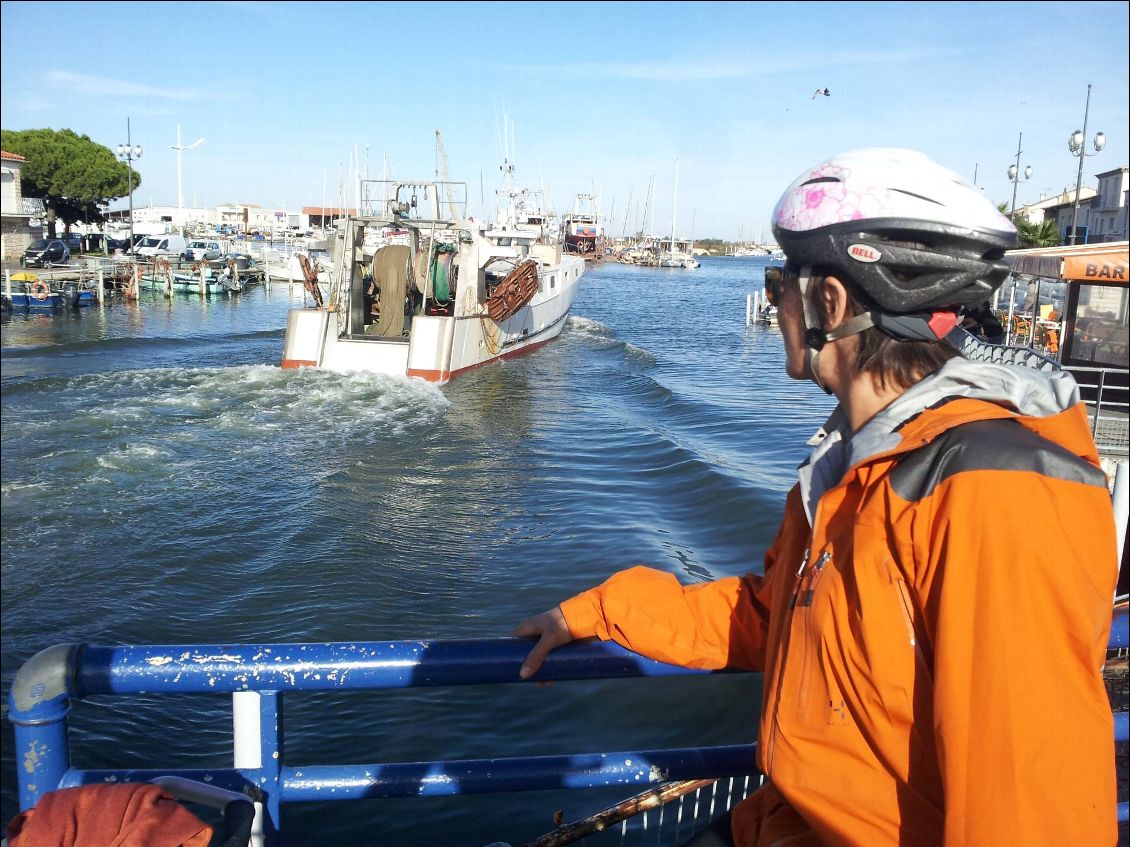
[932,625]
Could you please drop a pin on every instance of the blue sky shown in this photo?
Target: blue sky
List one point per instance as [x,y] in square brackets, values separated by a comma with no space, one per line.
[602,97]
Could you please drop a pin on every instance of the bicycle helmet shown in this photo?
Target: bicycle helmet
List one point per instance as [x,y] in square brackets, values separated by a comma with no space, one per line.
[910,234]
[911,238]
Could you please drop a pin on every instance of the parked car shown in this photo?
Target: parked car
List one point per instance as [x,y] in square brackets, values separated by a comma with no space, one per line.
[161,245]
[45,252]
[198,249]
[98,243]
[73,241]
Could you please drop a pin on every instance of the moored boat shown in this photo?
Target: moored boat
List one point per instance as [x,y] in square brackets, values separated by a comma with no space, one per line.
[459,295]
[229,274]
[287,267]
[581,230]
[26,291]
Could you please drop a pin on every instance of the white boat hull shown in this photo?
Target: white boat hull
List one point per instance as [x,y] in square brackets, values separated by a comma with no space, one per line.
[437,348]
[457,295]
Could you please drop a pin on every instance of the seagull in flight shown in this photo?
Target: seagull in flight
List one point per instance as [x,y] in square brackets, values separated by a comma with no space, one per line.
[821,91]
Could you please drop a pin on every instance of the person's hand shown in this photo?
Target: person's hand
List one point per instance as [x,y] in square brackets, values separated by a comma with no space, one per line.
[552,631]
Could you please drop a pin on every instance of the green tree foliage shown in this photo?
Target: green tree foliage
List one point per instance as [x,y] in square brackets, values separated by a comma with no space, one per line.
[1042,234]
[1028,234]
[715,246]
[71,173]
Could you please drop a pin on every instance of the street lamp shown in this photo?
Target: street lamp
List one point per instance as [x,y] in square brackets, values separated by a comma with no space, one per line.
[179,147]
[127,153]
[1014,174]
[1076,143]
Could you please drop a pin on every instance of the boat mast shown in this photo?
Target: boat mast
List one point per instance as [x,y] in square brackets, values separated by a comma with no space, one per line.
[674,203]
[651,227]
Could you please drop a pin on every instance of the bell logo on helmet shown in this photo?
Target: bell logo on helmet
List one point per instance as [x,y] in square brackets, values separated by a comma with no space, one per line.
[864,253]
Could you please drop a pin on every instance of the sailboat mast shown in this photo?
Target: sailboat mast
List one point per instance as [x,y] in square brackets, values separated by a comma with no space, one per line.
[674,203]
[651,228]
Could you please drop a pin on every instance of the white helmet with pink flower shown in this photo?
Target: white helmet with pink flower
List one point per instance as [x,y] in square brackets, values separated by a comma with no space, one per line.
[910,235]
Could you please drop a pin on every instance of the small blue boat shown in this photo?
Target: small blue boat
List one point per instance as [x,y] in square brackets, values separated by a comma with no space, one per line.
[33,295]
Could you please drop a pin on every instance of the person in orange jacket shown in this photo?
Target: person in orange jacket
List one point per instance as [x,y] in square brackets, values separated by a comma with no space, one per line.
[933,614]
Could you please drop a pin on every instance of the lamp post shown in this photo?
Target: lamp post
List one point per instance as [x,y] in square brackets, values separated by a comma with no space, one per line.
[1014,174]
[127,153]
[179,147]
[1076,143]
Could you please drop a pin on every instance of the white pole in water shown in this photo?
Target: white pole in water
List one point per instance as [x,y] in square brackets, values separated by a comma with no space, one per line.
[1121,503]
[101,286]
[8,283]
[748,308]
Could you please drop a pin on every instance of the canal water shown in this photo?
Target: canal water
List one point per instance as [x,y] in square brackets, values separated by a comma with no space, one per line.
[164,482]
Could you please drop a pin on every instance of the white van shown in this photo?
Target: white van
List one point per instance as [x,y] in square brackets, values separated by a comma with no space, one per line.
[161,245]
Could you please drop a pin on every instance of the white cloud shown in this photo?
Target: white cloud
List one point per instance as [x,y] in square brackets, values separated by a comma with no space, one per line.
[100,86]
[34,103]
[684,70]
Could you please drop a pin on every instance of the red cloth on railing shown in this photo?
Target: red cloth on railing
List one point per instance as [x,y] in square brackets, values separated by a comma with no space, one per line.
[118,815]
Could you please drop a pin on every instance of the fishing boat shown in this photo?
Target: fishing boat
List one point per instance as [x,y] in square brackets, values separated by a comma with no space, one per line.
[582,234]
[459,295]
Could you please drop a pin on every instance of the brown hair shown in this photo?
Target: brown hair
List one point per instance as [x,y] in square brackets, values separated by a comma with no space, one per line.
[886,359]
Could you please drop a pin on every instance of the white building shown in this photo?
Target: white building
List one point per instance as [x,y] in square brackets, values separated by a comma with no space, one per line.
[22,216]
[1039,211]
[1106,219]
[241,217]
[1102,212]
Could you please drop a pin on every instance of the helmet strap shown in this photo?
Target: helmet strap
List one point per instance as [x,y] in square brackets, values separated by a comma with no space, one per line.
[815,336]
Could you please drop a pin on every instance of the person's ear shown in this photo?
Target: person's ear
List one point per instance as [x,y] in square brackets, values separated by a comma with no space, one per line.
[836,298]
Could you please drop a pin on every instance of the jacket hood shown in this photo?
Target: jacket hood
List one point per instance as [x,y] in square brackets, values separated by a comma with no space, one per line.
[1021,391]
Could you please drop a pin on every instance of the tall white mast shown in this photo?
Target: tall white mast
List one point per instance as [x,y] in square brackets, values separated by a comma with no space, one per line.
[674,203]
[650,186]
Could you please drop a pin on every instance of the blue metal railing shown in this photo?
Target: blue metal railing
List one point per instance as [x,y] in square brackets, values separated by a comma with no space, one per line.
[45,686]
[42,692]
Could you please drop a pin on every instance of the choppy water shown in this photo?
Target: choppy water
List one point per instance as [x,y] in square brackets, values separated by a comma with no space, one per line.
[163,481]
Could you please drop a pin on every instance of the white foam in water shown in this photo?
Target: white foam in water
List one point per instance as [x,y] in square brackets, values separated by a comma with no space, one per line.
[587,326]
[257,396]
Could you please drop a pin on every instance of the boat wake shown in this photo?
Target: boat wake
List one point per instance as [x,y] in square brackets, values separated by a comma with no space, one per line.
[605,338]
[112,427]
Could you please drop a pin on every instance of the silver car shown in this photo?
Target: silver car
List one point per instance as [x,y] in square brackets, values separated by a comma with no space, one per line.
[207,250]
